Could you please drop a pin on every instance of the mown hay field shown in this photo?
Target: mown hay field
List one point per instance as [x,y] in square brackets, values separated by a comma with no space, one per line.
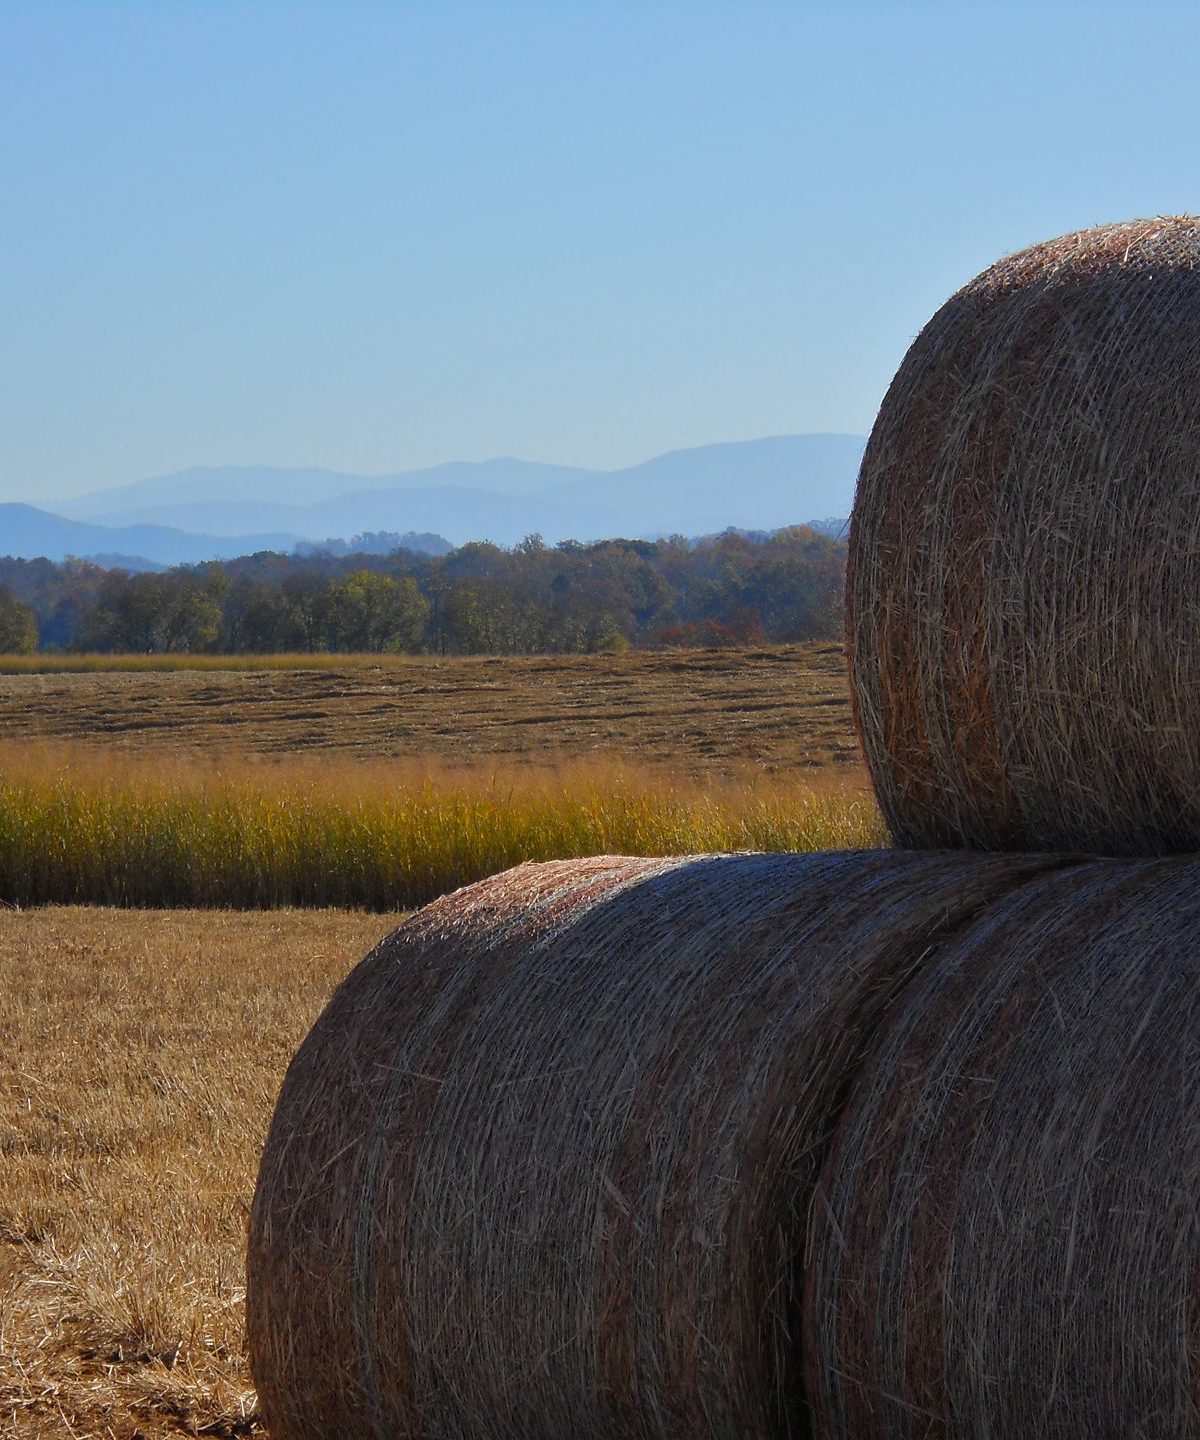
[698,712]
[383,783]
[141,1049]
[140,1055]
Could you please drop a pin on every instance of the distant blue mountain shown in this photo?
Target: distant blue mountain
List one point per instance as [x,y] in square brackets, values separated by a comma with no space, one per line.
[753,485]
[28,532]
[241,486]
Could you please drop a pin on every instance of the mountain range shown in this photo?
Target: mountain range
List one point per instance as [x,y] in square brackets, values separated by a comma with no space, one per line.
[26,532]
[217,513]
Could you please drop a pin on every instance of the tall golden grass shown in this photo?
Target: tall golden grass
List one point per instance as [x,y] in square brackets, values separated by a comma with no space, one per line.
[82,826]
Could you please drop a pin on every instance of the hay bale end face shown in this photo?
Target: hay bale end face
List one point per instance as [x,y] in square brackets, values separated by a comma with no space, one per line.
[1023,593]
[543,1167]
[1008,1239]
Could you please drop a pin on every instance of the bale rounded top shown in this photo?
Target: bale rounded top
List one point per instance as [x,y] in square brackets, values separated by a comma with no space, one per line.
[1163,242]
[1023,594]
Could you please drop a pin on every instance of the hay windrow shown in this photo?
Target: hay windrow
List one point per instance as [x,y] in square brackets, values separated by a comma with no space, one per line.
[1008,1239]
[1023,592]
[542,1168]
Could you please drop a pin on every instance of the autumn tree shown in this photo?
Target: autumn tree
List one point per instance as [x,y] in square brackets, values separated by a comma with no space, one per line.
[368,612]
[18,625]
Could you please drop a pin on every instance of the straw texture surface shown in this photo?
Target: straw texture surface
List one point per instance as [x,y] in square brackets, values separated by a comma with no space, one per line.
[1023,595]
[1007,1241]
[543,1167]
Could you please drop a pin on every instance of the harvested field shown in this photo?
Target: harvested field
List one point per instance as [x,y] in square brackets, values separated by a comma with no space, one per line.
[383,783]
[702,712]
[140,1054]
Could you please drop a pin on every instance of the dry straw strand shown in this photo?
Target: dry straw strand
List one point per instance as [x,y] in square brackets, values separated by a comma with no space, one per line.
[543,1166]
[1023,592]
[1008,1239]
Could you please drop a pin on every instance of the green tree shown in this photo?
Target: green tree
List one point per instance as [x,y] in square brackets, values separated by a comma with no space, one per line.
[18,625]
[257,619]
[126,616]
[370,613]
[306,593]
[191,609]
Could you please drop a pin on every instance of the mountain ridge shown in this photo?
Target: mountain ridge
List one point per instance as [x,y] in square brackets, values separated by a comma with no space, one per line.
[759,484]
[27,532]
[301,485]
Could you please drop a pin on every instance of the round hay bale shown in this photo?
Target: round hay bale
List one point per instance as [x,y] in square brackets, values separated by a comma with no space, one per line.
[1008,1237]
[542,1168]
[1023,591]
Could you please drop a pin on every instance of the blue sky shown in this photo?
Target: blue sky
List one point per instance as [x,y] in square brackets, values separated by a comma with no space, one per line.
[377,236]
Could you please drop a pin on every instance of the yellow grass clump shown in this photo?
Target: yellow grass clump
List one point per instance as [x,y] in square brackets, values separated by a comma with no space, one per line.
[1024,558]
[81,827]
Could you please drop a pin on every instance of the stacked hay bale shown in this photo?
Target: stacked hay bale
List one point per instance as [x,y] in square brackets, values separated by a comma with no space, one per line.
[1008,1239]
[543,1167]
[546,1165]
[1023,591]
[1008,1234]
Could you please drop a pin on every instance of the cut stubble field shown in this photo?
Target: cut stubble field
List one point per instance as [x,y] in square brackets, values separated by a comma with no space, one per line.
[696,712]
[141,1049]
[140,1054]
[384,783]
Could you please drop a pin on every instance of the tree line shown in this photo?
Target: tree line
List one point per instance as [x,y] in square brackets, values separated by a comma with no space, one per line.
[728,589]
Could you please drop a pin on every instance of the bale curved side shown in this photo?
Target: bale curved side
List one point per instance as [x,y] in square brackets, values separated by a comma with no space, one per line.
[1023,586]
[542,1168]
[1008,1239]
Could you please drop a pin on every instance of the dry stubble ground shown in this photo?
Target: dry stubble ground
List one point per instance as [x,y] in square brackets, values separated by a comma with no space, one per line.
[140,1051]
[140,1055]
[698,711]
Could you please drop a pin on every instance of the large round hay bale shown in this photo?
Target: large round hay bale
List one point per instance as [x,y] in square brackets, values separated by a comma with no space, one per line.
[1008,1239]
[1023,595]
[542,1168]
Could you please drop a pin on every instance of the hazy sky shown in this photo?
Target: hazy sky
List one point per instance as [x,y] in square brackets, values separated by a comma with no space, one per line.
[373,237]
